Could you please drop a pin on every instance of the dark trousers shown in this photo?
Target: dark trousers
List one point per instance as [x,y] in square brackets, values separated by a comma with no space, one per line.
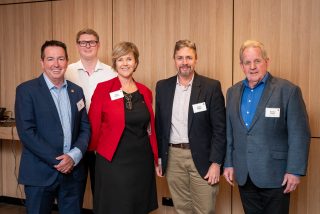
[257,200]
[67,191]
[89,160]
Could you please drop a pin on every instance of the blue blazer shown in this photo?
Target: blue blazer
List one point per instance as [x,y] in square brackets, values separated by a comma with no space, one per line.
[41,133]
[206,130]
[271,146]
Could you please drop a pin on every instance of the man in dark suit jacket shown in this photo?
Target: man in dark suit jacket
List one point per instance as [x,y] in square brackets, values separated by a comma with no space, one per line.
[53,127]
[267,135]
[190,125]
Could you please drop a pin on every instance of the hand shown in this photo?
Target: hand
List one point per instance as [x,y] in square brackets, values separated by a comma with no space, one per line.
[213,174]
[159,170]
[228,174]
[66,164]
[292,182]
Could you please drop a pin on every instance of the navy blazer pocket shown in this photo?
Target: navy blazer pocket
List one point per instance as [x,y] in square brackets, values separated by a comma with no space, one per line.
[279,155]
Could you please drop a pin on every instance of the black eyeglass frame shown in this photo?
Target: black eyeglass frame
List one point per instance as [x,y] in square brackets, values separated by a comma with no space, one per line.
[91,43]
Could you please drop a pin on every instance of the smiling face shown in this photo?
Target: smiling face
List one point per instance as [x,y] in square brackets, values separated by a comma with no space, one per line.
[90,50]
[253,65]
[54,64]
[126,65]
[185,61]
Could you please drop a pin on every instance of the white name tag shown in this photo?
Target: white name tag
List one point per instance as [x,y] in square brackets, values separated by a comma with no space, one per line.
[272,112]
[199,107]
[80,105]
[116,95]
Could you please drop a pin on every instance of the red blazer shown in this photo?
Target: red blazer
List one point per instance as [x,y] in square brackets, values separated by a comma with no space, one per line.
[107,118]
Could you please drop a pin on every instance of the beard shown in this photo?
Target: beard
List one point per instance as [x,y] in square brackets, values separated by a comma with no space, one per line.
[185,70]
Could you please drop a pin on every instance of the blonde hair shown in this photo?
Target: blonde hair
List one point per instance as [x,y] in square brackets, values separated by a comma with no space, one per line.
[122,49]
[88,31]
[254,44]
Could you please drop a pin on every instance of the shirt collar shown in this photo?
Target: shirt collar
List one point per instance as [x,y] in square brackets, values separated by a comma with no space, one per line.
[50,84]
[263,81]
[98,66]
[189,84]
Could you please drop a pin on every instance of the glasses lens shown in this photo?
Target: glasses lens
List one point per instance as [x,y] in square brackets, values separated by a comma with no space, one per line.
[82,43]
[93,43]
[90,43]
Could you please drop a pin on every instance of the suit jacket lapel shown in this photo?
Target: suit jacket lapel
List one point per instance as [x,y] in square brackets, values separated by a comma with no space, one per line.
[268,90]
[73,100]
[195,92]
[238,93]
[170,90]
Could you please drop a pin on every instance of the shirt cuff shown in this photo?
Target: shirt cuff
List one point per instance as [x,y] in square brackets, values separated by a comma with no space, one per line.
[76,155]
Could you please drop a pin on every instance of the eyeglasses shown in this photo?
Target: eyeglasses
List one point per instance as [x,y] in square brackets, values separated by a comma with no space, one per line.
[91,43]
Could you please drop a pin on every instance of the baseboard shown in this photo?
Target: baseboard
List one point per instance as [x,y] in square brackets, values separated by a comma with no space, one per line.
[21,202]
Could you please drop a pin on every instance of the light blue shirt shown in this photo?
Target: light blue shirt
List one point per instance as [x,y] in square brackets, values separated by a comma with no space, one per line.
[61,99]
[250,100]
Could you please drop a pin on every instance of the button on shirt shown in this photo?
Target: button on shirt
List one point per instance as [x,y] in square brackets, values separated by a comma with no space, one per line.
[250,100]
[61,99]
[180,111]
[77,74]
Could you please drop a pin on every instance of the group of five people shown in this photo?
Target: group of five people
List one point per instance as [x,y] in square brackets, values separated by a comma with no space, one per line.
[260,139]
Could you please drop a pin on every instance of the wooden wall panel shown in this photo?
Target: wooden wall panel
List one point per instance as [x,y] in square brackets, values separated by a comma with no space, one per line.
[70,16]
[21,39]
[3,2]
[155,25]
[290,30]
[306,198]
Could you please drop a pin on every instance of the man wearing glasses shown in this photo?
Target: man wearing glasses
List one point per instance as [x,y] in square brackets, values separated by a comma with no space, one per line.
[87,73]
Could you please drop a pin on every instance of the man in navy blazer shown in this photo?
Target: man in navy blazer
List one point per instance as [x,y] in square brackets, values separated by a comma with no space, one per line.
[268,135]
[54,130]
[190,127]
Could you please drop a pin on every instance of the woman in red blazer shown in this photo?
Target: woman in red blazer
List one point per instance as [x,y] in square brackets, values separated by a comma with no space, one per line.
[123,135]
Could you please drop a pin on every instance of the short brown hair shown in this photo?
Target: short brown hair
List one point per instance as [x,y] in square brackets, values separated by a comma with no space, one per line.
[184,44]
[87,31]
[53,43]
[253,44]
[122,49]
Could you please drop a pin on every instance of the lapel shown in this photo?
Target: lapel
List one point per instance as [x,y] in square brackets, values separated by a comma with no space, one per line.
[194,98]
[47,98]
[170,96]
[268,90]
[238,93]
[73,102]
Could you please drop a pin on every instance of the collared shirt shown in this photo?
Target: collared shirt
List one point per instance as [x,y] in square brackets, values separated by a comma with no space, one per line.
[61,99]
[77,74]
[250,100]
[180,111]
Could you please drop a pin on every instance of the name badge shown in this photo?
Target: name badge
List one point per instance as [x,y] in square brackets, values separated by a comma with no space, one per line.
[116,95]
[272,112]
[199,107]
[80,104]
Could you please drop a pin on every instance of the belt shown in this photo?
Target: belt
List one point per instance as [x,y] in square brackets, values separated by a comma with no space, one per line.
[180,145]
